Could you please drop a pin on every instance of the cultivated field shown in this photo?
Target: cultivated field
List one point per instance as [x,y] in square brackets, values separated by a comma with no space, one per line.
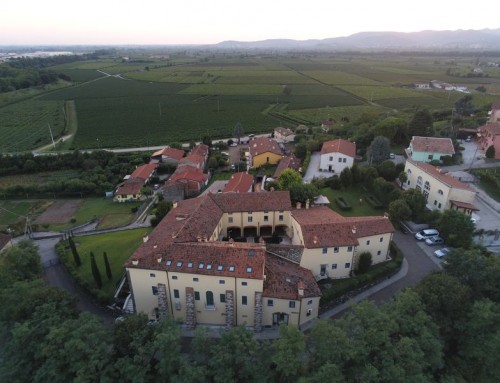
[160,98]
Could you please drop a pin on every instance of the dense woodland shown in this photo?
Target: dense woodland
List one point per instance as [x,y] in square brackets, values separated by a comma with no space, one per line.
[445,329]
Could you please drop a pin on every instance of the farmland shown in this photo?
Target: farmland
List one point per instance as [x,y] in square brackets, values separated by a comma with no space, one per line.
[155,99]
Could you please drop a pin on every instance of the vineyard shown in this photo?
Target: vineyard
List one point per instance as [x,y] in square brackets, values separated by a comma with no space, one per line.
[162,98]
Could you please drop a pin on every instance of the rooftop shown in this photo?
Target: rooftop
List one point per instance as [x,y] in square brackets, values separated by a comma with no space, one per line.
[239,183]
[174,153]
[284,131]
[491,127]
[432,144]
[129,187]
[287,162]
[434,172]
[339,146]
[144,172]
[264,145]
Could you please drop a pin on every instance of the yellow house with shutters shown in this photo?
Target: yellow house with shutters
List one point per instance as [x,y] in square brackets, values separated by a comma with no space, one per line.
[264,151]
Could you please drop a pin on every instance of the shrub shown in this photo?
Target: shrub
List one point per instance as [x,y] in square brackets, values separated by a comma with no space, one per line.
[343,204]
[490,152]
[364,262]
[374,202]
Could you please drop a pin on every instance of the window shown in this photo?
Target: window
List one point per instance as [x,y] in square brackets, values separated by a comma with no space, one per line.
[381,239]
[270,302]
[220,268]
[176,293]
[152,275]
[222,298]
[190,264]
[367,242]
[174,276]
[169,263]
[379,252]
[244,300]
[309,312]
[231,268]
[251,252]
[430,156]
[435,202]
[310,302]
[335,249]
[201,265]
[155,290]
[280,217]
[334,266]
[244,283]
[179,263]
[325,250]
[291,304]
[210,298]
[440,192]
[230,220]
[340,159]
[330,158]
[196,295]
[439,205]
[427,185]
[209,266]
[266,218]
[408,171]
[419,181]
[349,248]
[222,281]
[196,280]
[344,160]
[250,219]
[347,265]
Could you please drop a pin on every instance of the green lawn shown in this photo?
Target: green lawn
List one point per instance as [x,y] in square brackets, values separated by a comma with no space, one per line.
[353,196]
[119,246]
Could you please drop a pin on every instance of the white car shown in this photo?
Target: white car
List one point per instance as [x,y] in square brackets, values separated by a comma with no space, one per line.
[442,252]
[432,241]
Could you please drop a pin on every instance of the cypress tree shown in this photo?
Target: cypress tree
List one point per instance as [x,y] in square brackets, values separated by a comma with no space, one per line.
[76,256]
[108,268]
[95,271]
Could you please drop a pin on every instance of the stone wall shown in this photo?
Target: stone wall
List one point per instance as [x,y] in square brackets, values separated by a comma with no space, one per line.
[162,301]
[190,320]
[258,312]
[229,309]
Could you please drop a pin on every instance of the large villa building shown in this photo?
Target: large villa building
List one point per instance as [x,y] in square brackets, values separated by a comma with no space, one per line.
[195,268]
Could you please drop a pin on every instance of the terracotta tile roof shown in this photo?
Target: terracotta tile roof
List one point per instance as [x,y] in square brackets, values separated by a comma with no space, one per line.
[283,279]
[287,162]
[239,183]
[293,253]
[144,172]
[264,145]
[4,240]
[443,177]
[284,131]
[192,159]
[464,205]
[272,201]
[322,227]
[432,144]
[492,128]
[174,153]
[339,146]
[188,173]
[495,106]
[200,150]
[129,187]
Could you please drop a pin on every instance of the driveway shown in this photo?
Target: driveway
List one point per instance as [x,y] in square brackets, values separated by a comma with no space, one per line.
[313,169]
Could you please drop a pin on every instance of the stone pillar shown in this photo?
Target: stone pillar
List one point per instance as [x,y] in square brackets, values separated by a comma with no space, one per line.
[230,320]
[258,312]
[190,320]
[162,301]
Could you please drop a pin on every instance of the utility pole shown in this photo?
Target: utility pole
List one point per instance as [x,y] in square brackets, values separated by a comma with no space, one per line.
[52,137]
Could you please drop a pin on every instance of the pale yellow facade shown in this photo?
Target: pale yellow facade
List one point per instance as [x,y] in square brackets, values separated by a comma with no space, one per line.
[294,312]
[257,220]
[438,194]
[266,158]
[329,262]
[376,245]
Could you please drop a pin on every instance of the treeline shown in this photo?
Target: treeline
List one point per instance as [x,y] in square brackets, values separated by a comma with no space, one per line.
[445,329]
[27,72]
[90,173]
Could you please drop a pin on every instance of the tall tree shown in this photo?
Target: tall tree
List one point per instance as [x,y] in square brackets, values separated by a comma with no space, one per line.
[421,123]
[456,228]
[346,177]
[289,178]
[108,267]
[379,150]
[74,251]
[288,356]
[95,271]
[20,263]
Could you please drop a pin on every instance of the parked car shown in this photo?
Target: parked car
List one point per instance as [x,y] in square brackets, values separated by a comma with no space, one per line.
[468,139]
[435,240]
[442,252]
[392,156]
[426,233]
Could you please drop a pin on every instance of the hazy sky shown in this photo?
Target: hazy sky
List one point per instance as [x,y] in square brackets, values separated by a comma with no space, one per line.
[205,21]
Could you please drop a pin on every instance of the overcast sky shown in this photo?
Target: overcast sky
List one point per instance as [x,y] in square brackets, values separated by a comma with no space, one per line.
[205,21]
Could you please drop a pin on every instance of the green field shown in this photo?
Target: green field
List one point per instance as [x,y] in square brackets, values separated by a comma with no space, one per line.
[161,97]
[355,196]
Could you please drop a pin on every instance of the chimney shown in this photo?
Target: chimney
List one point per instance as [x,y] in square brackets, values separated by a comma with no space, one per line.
[354,229]
[158,259]
[198,238]
[145,237]
[155,245]
[301,287]
[174,205]
[299,205]
[135,261]
[307,203]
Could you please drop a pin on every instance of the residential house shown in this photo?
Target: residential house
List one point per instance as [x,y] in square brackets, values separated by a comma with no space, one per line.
[427,149]
[187,268]
[192,178]
[196,158]
[287,162]
[264,151]
[489,134]
[5,241]
[494,114]
[284,135]
[337,155]
[239,183]
[167,155]
[131,189]
[441,190]
[422,85]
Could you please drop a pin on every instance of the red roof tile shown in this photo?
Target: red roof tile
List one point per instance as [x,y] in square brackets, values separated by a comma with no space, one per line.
[339,146]
[174,153]
[264,145]
[272,201]
[193,159]
[188,173]
[283,279]
[492,128]
[287,162]
[464,205]
[200,150]
[144,172]
[239,183]
[129,187]
[443,177]
[284,131]
[432,144]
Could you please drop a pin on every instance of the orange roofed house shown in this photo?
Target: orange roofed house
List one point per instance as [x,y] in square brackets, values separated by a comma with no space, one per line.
[187,268]
[336,155]
[239,183]
[489,134]
[264,151]
[131,188]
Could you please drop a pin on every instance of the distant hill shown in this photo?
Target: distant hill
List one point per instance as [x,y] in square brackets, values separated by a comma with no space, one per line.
[460,39]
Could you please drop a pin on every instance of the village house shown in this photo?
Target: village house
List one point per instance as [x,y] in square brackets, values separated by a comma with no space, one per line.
[489,134]
[427,149]
[284,135]
[167,155]
[287,162]
[336,155]
[192,179]
[131,189]
[190,268]
[441,191]
[264,151]
[241,182]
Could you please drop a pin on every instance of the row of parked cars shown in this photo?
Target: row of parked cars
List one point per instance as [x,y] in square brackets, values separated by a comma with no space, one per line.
[432,238]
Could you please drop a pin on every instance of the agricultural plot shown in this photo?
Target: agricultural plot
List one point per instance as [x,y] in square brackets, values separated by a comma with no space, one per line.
[222,89]
[337,113]
[374,93]
[82,75]
[340,78]
[25,125]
